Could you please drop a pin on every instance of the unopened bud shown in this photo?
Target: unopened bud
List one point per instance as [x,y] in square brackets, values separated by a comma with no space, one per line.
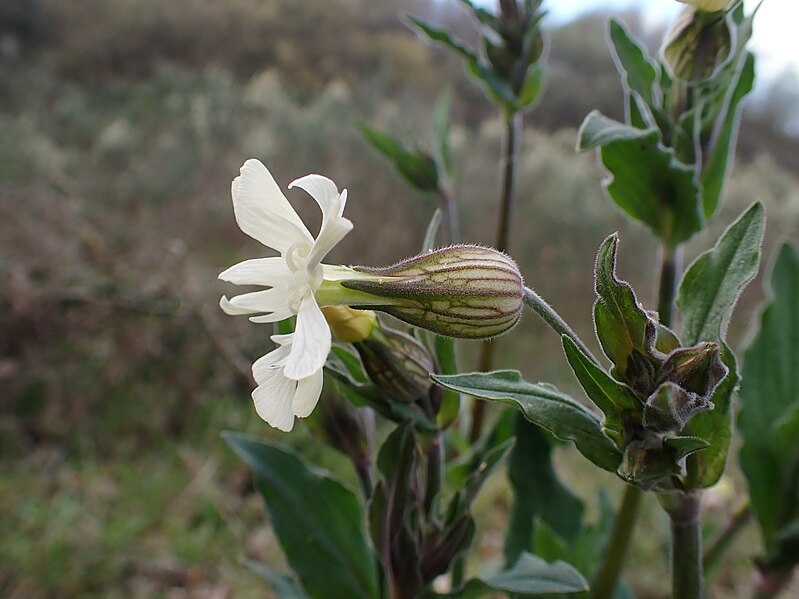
[698,45]
[707,5]
[349,325]
[462,291]
[397,363]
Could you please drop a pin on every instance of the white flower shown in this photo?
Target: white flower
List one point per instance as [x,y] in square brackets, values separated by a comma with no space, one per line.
[290,377]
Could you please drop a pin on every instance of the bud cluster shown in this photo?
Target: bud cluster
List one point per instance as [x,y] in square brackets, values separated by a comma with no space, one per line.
[671,388]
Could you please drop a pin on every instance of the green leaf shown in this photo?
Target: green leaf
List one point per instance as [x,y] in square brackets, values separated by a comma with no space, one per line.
[598,130]
[633,63]
[497,89]
[537,493]
[417,168]
[282,585]
[647,181]
[713,283]
[533,85]
[715,427]
[770,402]
[620,321]
[544,405]
[531,576]
[317,520]
[441,125]
[609,395]
[724,137]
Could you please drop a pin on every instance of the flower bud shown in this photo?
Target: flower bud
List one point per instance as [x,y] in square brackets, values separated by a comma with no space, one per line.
[462,291]
[348,325]
[397,363]
[698,45]
[707,5]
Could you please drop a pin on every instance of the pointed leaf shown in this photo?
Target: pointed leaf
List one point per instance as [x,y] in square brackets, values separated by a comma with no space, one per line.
[316,519]
[713,283]
[770,402]
[632,62]
[544,405]
[724,138]
[620,321]
[417,168]
[529,577]
[609,395]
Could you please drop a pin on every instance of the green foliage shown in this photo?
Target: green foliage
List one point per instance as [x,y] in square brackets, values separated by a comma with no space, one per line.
[543,405]
[509,69]
[283,586]
[607,394]
[417,168]
[530,576]
[712,285]
[769,418]
[647,181]
[537,493]
[620,321]
[311,531]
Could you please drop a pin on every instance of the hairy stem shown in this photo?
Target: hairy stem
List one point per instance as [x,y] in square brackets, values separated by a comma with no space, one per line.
[554,320]
[510,160]
[724,538]
[608,576]
[686,544]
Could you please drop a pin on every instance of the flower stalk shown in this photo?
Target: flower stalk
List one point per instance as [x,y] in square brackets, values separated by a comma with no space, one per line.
[684,511]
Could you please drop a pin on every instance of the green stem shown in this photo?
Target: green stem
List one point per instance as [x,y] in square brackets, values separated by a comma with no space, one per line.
[608,576]
[450,210]
[510,160]
[435,469]
[670,269]
[724,538]
[554,320]
[686,543]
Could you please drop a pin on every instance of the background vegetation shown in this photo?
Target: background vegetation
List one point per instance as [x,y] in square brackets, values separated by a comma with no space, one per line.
[122,123]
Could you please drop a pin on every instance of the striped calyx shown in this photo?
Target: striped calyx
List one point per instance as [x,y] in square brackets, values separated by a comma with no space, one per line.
[464,291]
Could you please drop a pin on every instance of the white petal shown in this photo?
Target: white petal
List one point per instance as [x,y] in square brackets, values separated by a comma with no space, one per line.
[268,272]
[307,394]
[311,342]
[273,399]
[275,316]
[263,212]
[333,230]
[269,300]
[321,189]
[265,366]
[334,226]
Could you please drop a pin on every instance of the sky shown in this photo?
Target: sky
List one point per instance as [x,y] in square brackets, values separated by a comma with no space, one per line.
[776,30]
